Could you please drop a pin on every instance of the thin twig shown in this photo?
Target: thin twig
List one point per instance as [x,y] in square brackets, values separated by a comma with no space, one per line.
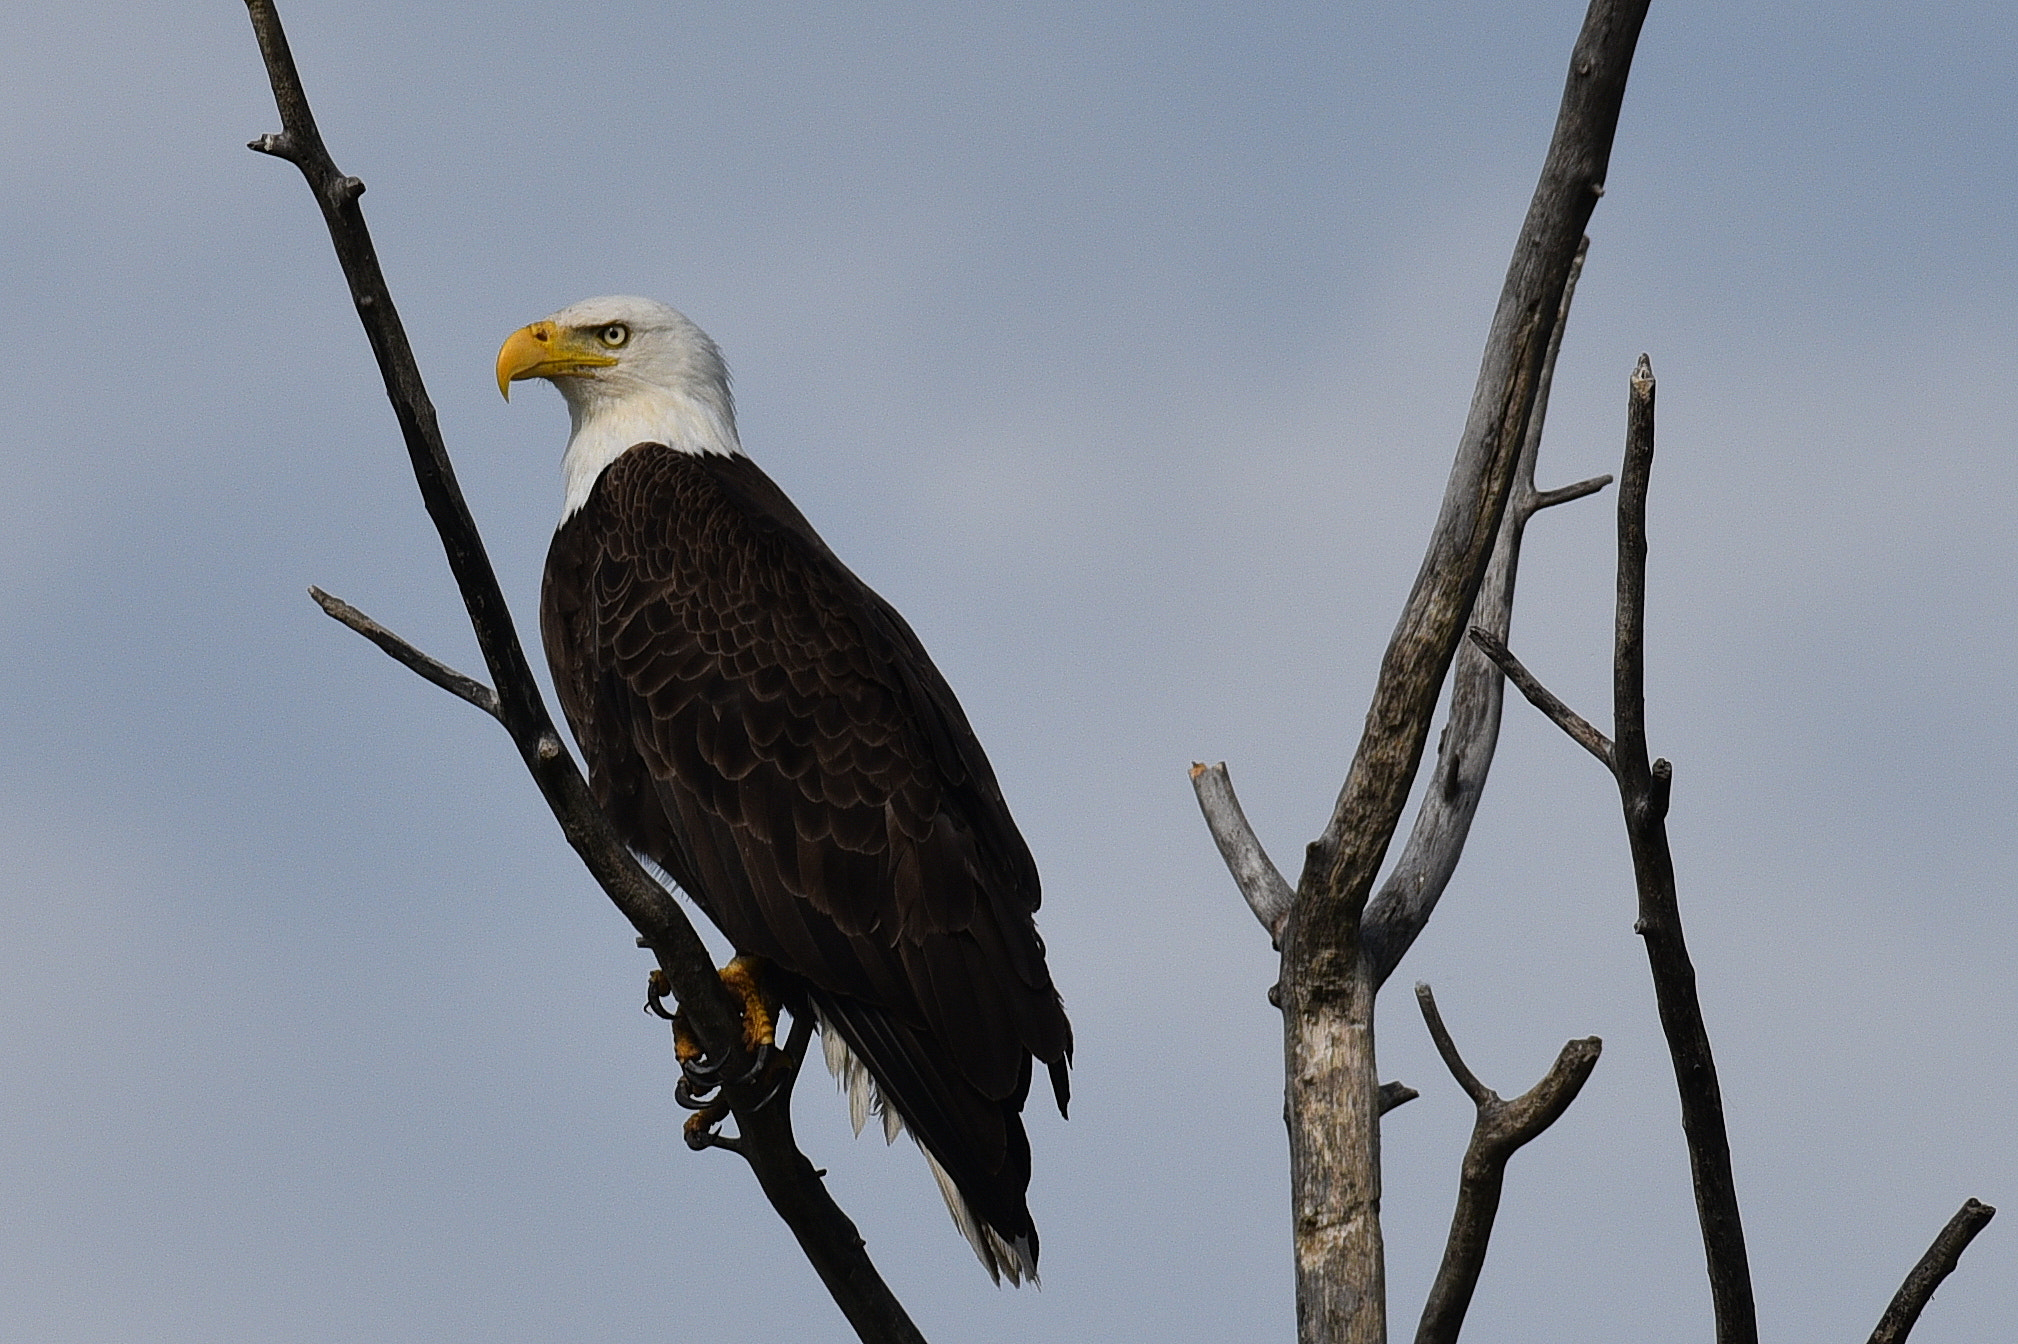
[405,654]
[1937,1264]
[827,1236]
[1439,1034]
[1563,494]
[1581,730]
[1268,893]
[1500,1130]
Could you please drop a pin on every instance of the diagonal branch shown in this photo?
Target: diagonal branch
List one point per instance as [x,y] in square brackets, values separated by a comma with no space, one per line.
[1399,913]
[1500,1130]
[405,654]
[1937,1264]
[1339,871]
[826,1235]
[1268,893]
[1581,730]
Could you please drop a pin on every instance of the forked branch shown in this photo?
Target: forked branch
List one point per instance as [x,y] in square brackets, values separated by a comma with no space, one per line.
[1500,1130]
[1267,892]
[1400,911]
[1330,972]
[826,1235]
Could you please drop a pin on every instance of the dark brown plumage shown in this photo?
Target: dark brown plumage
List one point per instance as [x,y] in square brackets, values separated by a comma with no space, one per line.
[769,730]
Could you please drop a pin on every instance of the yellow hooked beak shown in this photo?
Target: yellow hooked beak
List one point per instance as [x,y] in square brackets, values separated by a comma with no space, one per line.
[543,350]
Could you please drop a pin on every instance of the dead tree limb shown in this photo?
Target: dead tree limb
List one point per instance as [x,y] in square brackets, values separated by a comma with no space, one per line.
[1268,893]
[1329,980]
[1464,755]
[1580,729]
[1937,1264]
[826,1235]
[428,668]
[1401,910]
[1501,1129]
[1643,794]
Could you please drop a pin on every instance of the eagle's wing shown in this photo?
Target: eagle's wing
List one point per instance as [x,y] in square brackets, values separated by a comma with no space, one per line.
[767,728]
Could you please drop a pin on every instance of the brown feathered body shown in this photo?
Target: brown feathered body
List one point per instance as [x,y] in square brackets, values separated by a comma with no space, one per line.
[768,730]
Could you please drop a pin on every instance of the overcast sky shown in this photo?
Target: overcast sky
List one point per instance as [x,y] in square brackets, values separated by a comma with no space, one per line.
[1123,347]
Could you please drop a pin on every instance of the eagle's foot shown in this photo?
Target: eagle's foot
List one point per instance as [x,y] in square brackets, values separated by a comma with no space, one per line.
[701,1129]
[744,977]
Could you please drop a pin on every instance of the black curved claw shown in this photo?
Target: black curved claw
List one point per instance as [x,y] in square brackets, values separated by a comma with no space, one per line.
[656,990]
[780,1079]
[687,1099]
[701,1133]
[707,1075]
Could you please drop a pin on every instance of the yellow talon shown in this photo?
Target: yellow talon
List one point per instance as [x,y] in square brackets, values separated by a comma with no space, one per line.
[745,979]
[686,1049]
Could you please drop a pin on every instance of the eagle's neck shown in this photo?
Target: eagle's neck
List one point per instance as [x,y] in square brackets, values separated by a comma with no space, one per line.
[608,426]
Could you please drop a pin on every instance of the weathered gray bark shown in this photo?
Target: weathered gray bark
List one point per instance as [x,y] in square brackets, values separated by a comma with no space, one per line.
[764,1139]
[1329,973]
[1401,909]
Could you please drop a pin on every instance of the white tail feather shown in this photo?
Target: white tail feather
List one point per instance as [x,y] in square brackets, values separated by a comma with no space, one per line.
[997,1256]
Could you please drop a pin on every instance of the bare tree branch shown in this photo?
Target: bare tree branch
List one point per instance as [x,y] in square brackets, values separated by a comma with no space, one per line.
[1643,794]
[1268,893]
[1580,729]
[1328,983]
[1564,494]
[430,669]
[823,1231]
[1937,1264]
[1397,915]
[1500,1130]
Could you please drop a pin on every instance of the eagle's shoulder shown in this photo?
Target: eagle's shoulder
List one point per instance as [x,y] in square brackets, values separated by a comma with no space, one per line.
[688,578]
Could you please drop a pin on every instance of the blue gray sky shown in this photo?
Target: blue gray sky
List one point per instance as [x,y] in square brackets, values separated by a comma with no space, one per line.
[1124,347]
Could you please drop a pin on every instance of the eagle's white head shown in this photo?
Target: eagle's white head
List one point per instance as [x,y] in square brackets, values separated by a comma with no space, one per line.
[633,371]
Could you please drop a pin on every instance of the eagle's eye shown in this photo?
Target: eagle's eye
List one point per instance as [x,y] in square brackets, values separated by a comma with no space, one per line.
[614,335]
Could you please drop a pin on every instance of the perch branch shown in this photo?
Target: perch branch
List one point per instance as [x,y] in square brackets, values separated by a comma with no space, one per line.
[1268,893]
[405,654]
[1501,1129]
[1937,1264]
[826,1235]
[1328,983]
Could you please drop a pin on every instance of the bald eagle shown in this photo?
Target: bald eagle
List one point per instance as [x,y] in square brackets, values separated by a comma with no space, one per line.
[769,731]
